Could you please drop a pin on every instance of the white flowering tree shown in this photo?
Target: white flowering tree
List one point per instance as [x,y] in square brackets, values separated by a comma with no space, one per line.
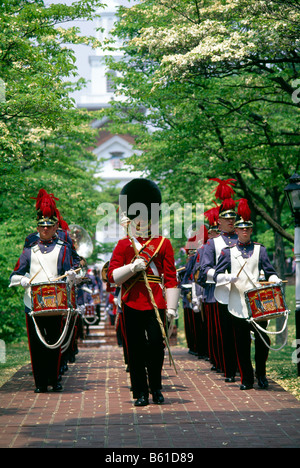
[217,80]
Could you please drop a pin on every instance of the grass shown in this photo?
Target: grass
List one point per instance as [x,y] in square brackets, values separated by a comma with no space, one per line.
[16,356]
[279,366]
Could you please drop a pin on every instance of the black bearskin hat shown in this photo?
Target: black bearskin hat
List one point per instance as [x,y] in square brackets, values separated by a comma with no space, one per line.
[140,198]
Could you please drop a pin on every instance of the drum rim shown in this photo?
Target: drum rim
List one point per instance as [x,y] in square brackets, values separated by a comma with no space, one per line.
[57,312]
[268,286]
[50,283]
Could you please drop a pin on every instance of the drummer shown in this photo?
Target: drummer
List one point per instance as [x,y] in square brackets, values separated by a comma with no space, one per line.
[240,267]
[61,226]
[46,259]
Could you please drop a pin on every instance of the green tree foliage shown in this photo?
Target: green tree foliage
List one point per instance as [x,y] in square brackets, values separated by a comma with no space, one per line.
[218,80]
[44,139]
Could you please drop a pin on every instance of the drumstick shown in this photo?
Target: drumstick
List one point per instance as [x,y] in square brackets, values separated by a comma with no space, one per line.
[31,279]
[241,269]
[63,276]
[271,282]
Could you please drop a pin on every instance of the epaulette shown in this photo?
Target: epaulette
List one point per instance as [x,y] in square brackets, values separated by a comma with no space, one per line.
[31,240]
[227,247]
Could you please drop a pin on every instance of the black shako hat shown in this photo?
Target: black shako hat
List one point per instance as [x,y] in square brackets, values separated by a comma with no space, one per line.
[140,198]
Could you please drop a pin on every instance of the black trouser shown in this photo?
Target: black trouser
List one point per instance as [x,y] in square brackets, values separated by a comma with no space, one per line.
[242,334]
[189,328]
[145,349]
[45,362]
[201,334]
[228,342]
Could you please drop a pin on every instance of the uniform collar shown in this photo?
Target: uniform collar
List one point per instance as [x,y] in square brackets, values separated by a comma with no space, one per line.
[50,241]
[244,244]
[228,234]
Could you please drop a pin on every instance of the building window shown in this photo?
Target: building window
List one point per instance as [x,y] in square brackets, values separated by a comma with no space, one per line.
[116,159]
[110,85]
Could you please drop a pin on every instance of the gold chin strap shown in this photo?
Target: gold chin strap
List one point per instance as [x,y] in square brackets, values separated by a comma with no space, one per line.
[46,221]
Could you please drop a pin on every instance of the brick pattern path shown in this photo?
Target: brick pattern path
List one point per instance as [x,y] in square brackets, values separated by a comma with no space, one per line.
[96,409]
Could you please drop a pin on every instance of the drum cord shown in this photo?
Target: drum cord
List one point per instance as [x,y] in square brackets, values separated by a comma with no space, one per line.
[91,323]
[63,335]
[258,328]
[66,345]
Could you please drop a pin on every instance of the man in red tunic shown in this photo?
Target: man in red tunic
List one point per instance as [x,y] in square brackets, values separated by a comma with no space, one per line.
[156,258]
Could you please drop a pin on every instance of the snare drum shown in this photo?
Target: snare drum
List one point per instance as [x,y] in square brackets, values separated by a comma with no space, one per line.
[52,298]
[265,303]
[90,310]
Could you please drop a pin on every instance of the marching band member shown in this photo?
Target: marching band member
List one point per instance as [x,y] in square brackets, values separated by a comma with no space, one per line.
[61,225]
[207,300]
[188,313]
[97,287]
[195,326]
[252,258]
[155,257]
[198,300]
[224,352]
[42,261]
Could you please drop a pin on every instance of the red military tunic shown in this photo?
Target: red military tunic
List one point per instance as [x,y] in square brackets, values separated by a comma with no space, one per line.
[138,297]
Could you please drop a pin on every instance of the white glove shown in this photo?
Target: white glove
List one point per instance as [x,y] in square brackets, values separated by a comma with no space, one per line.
[195,302]
[124,273]
[210,275]
[25,282]
[225,278]
[15,280]
[124,221]
[232,278]
[172,314]
[71,275]
[139,264]
[172,299]
[73,278]
[275,279]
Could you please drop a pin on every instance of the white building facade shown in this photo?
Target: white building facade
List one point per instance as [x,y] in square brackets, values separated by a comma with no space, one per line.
[111,150]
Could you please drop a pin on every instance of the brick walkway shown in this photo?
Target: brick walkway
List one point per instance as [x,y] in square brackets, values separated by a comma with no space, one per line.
[96,410]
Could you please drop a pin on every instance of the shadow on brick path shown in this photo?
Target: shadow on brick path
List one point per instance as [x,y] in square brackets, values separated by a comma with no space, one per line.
[96,409]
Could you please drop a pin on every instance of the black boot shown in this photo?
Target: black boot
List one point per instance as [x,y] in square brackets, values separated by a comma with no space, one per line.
[57,387]
[142,400]
[263,381]
[157,397]
[41,390]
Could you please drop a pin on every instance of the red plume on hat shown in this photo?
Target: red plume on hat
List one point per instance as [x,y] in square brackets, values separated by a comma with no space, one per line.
[228,204]
[224,189]
[244,210]
[212,215]
[45,202]
[46,205]
[62,223]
